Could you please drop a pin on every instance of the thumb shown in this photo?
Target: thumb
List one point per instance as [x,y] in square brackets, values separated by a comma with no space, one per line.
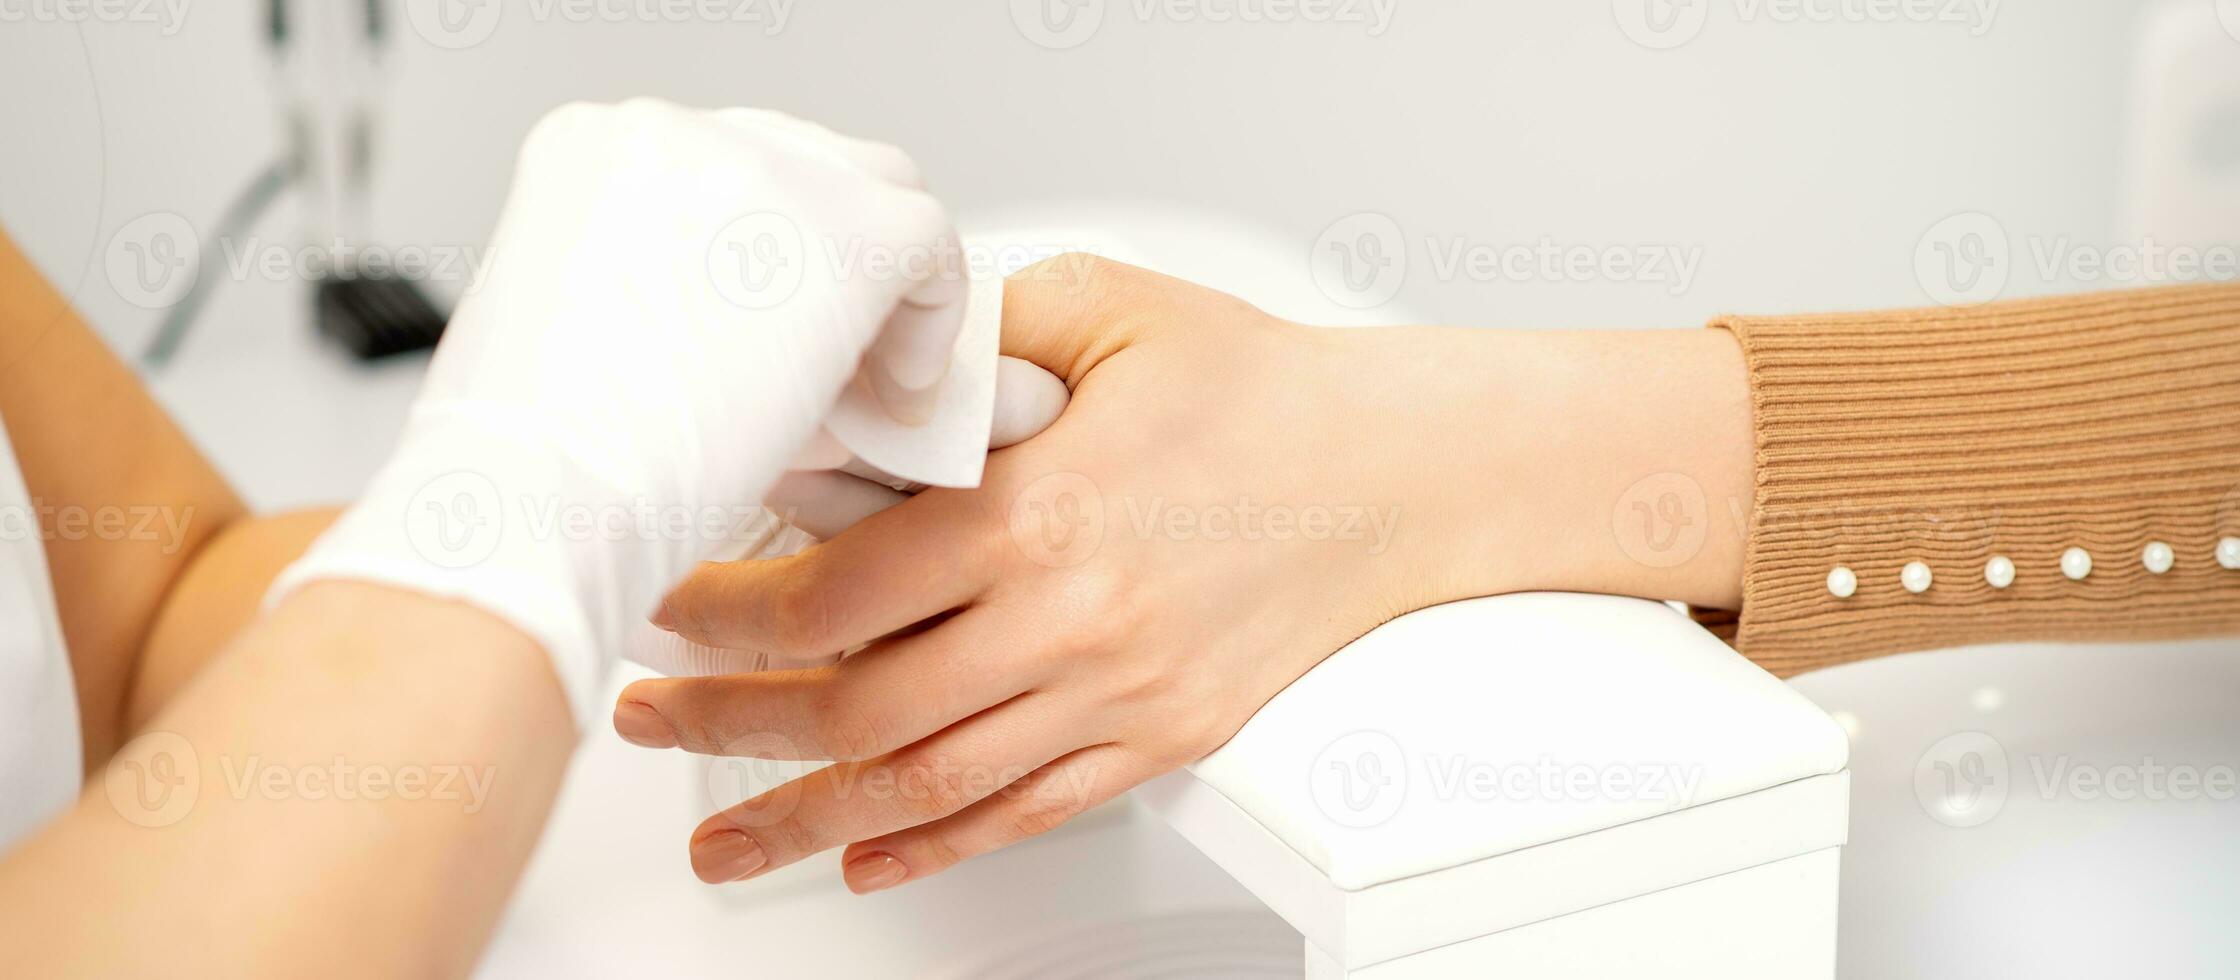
[1068,312]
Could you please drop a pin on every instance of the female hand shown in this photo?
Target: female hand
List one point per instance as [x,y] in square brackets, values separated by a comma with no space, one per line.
[1227,499]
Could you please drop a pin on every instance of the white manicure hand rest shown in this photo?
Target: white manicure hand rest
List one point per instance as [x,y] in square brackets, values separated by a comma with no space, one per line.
[1552,783]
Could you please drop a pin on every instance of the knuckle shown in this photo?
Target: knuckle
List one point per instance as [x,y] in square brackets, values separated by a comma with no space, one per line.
[932,789]
[699,727]
[1105,608]
[789,837]
[939,852]
[801,617]
[845,731]
[1042,811]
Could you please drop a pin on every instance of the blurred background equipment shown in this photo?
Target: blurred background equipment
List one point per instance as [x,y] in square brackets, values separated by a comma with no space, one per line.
[326,59]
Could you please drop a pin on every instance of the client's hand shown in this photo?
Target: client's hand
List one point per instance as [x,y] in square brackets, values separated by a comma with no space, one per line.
[1228,499]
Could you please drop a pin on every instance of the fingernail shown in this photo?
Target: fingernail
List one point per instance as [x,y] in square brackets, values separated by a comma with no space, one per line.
[870,872]
[639,724]
[726,855]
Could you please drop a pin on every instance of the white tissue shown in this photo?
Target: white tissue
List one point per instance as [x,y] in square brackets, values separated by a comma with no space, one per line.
[947,450]
[950,448]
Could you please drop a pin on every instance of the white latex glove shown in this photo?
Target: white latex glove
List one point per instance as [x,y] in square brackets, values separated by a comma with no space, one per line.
[665,323]
[810,505]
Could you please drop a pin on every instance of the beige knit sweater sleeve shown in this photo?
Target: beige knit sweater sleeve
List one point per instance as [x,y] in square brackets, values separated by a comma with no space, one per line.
[2107,422]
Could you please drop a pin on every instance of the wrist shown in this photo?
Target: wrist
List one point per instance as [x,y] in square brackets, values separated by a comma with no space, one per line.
[1615,462]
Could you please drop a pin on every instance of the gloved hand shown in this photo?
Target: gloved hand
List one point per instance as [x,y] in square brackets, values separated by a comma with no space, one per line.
[675,300]
[808,505]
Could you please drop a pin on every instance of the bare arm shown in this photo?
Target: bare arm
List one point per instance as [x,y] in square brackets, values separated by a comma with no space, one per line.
[126,502]
[361,775]
[351,788]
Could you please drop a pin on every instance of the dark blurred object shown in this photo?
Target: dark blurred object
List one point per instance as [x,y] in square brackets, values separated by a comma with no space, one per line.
[326,66]
[376,316]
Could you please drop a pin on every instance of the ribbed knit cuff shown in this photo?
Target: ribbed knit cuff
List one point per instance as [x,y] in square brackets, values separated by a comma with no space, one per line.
[2104,421]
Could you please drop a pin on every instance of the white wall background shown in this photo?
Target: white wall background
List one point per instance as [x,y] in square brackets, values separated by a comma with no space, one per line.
[1804,158]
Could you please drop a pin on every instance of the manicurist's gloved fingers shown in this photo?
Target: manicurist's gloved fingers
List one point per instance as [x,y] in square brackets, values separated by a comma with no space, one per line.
[941,775]
[912,353]
[832,490]
[823,452]
[827,502]
[882,160]
[884,697]
[1028,399]
[918,559]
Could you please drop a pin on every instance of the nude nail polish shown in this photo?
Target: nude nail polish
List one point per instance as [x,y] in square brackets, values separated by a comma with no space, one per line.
[639,724]
[726,855]
[871,872]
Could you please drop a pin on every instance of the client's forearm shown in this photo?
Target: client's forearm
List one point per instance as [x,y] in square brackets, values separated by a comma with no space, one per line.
[213,599]
[1637,464]
[362,775]
[1590,461]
